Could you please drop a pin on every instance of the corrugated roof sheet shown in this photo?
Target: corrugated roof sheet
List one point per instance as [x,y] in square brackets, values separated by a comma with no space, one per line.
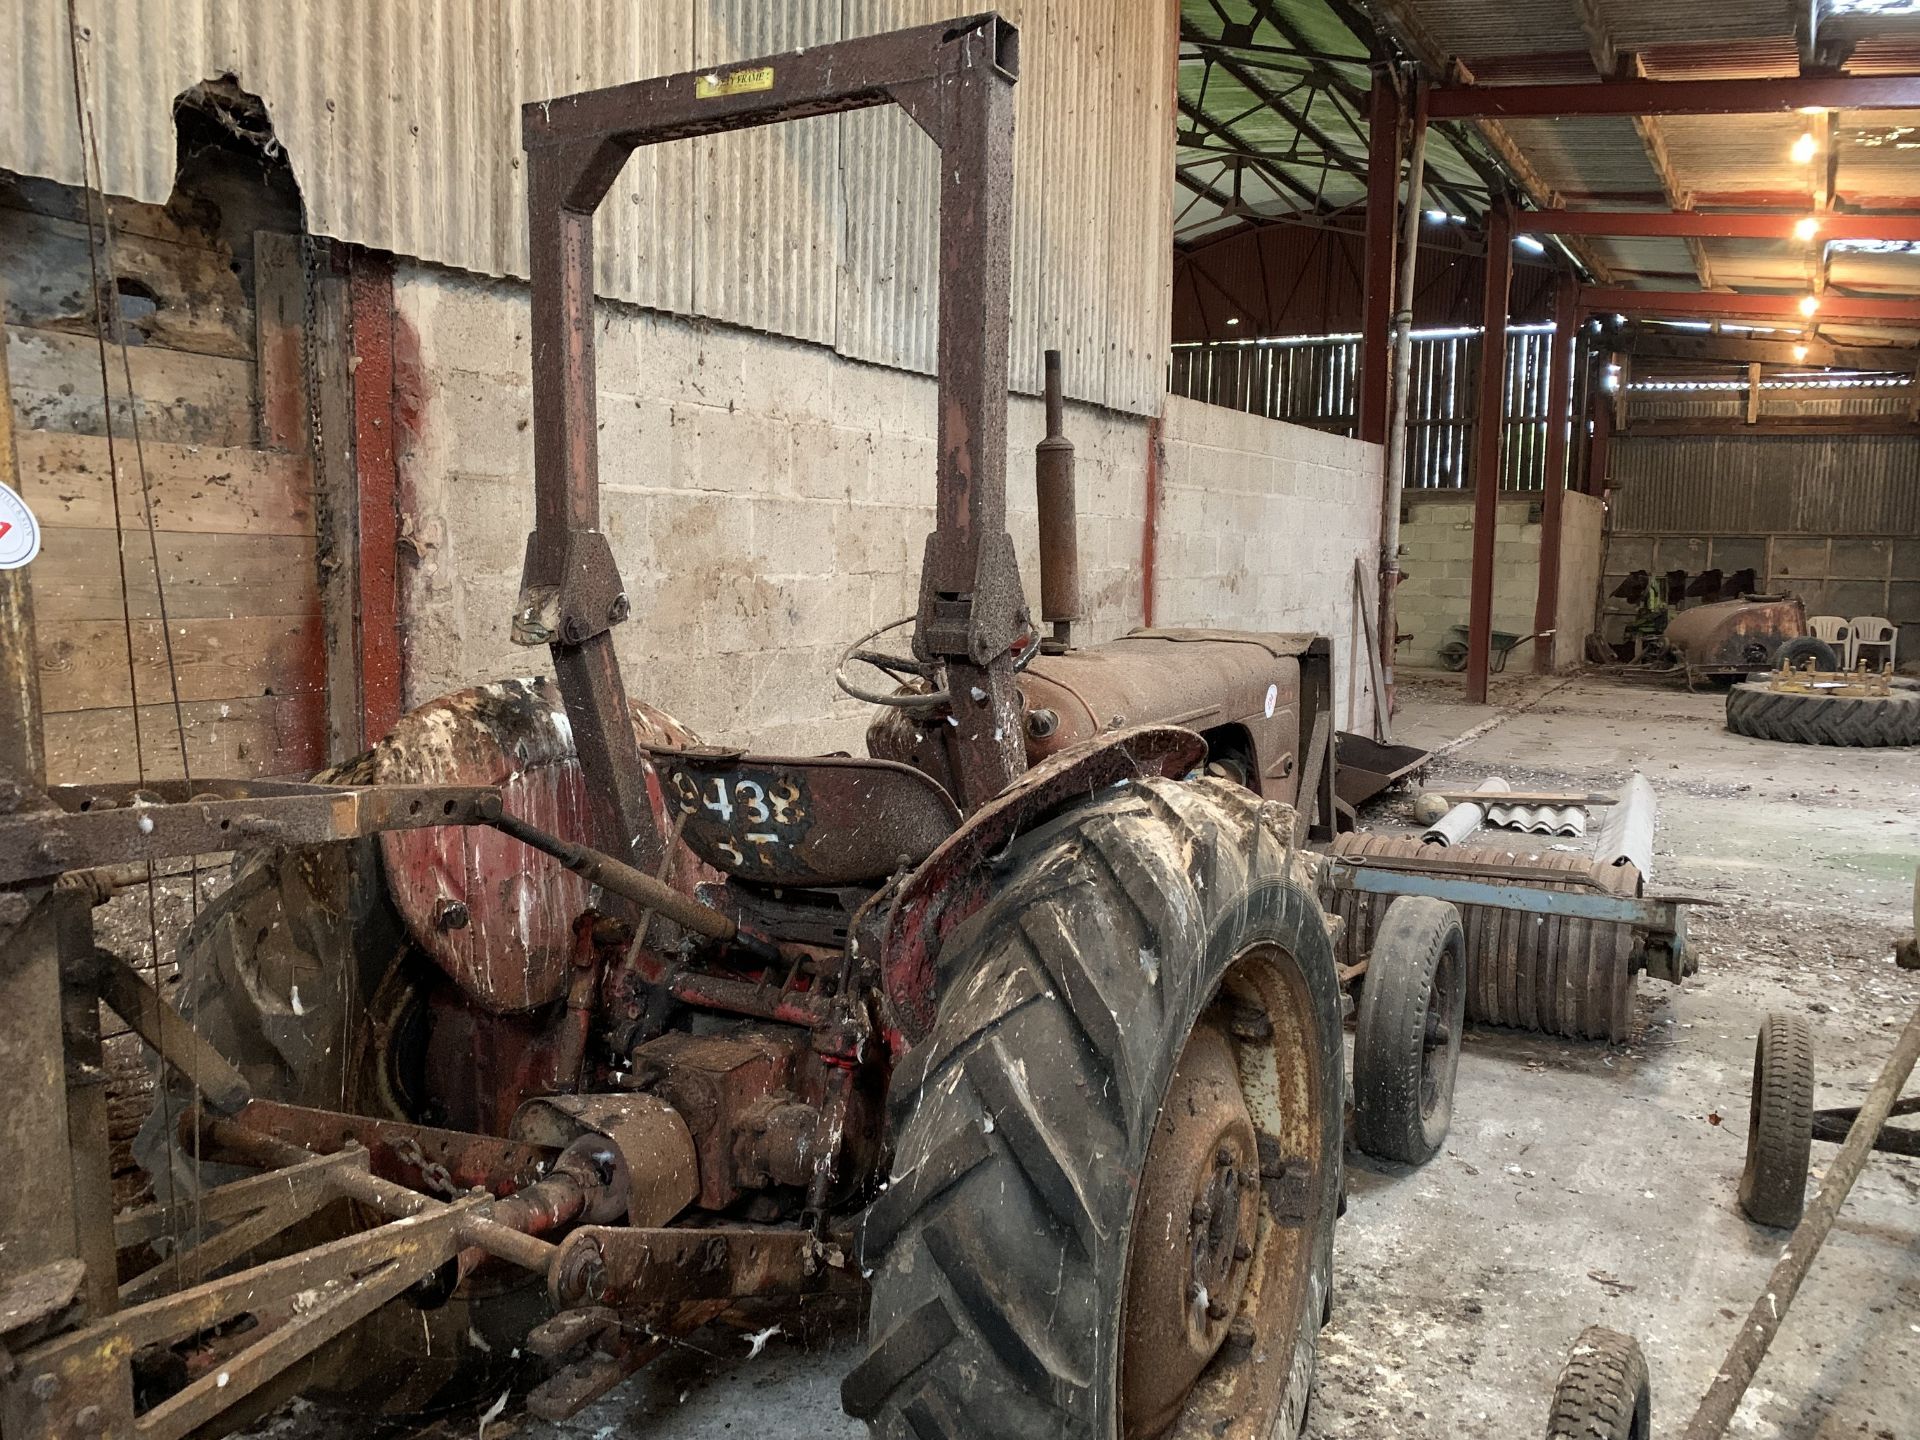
[401,121]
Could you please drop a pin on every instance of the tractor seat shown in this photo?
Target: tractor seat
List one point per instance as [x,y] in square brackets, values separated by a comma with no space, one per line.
[803,821]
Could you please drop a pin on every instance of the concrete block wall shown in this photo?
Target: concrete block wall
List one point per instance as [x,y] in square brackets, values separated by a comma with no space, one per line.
[1260,525]
[768,500]
[1436,555]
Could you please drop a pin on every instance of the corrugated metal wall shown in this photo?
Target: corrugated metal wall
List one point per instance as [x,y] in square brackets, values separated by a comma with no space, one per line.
[1316,383]
[401,119]
[1833,519]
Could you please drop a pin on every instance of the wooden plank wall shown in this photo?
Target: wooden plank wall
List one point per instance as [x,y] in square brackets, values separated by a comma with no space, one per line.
[233,508]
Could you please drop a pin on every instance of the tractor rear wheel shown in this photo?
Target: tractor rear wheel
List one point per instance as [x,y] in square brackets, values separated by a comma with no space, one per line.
[1117,1157]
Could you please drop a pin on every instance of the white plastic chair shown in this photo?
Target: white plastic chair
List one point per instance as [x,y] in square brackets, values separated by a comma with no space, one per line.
[1874,639]
[1837,631]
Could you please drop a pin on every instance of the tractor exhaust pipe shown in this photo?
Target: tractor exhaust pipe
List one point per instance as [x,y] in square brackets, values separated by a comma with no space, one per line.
[1059,521]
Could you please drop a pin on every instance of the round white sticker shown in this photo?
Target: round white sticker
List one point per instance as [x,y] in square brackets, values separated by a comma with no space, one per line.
[19,531]
[1273,699]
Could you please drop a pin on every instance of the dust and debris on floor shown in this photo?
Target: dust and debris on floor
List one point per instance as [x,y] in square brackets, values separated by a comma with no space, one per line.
[1582,1183]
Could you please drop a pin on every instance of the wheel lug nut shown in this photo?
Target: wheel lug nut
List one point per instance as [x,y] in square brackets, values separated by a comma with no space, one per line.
[1216,1309]
[1202,1212]
[1223,1157]
[1243,1251]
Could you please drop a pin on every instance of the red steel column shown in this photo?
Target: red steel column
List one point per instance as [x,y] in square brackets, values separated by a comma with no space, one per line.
[1546,601]
[1383,205]
[1487,446]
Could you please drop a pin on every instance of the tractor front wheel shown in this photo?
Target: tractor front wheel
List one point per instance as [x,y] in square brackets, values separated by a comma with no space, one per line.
[1117,1156]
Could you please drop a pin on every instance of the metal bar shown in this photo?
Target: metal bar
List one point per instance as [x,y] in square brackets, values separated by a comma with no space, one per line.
[231,1139]
[1487,446]
[1676,97]
[623,880]
[1393,474]
[293,1194]
[1383,191]
[169,1035]
[1659,915]
[619,1265]
[1763,1320]
[1717,225]
[1731,305]
[1546,600]
[1833,1125]
[39,846]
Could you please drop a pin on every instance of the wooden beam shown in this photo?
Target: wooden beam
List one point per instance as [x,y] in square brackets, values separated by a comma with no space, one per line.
[1489,438]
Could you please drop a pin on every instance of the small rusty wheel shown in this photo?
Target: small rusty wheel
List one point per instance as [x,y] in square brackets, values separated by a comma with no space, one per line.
[1603,1392]
[1117,1156]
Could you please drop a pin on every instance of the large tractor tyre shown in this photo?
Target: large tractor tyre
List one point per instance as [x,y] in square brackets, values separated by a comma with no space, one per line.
[1117,1163]
[1773,1182]
[1795,653]
[1763,713]
[1604,1392]
[1406,1036]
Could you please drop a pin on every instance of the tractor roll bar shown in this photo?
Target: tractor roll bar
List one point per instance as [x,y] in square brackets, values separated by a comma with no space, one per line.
[955,80]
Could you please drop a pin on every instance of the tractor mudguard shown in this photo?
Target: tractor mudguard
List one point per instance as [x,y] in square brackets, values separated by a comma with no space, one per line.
[954,881]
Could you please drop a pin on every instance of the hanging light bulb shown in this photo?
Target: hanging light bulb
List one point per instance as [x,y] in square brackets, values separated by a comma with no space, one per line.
[1800,352]
[1806,228]
[1809,304]
[1803,148]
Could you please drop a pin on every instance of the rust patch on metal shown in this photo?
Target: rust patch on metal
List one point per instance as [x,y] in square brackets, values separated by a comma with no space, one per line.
[496,917]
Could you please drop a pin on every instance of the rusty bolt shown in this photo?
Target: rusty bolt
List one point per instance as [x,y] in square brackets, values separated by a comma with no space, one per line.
[1224,1157]
[572,631]
[44,1387]
[451,915]
[1202,1213]
[89,1420]
[1042,723]
[584,1276]
[1242,1251]
[1217,1308]
[1251,1025]
[620,609]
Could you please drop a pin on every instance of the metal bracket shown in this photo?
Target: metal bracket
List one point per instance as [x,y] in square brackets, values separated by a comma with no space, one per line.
[589,599]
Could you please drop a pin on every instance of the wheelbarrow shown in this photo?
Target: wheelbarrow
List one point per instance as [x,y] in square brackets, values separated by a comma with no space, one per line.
[1453,654]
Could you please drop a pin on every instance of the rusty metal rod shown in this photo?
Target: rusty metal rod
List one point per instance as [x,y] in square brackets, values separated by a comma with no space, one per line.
[1763,1321]
[476,1228]
[622,879]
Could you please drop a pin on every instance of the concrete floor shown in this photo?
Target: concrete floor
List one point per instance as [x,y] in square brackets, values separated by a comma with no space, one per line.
[1581,1183]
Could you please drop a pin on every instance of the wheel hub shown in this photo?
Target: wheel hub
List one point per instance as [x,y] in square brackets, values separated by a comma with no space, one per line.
[1195,1232]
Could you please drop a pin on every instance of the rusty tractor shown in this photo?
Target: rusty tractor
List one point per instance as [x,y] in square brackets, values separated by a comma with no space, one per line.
[545,1022]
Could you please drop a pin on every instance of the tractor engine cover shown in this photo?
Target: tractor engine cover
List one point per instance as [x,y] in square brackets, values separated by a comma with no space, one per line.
[496,916]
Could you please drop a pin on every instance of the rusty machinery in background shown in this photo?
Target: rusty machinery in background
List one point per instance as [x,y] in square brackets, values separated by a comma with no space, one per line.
[544,1020]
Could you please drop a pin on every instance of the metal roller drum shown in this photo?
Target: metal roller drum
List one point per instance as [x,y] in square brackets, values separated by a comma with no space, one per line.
[1537,972]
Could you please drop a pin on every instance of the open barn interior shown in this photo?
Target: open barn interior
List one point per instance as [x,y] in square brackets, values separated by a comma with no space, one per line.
[1127,718]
